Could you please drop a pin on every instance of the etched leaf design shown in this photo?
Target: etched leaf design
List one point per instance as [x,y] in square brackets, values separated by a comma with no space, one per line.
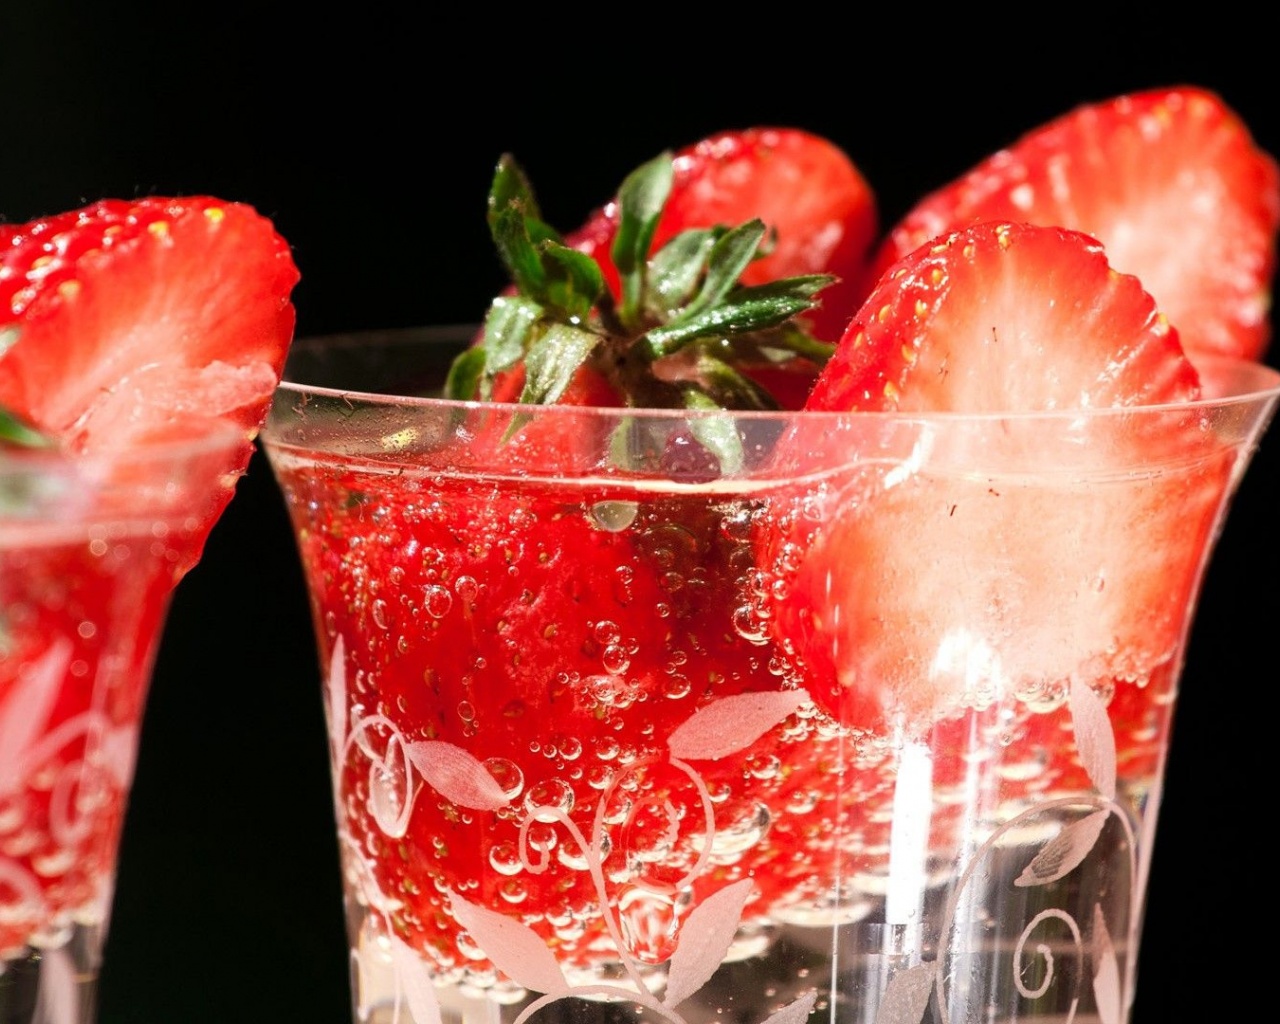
[457,775]
[25,712]
[415,983]
[1064,851]
[704,940]
[1095,739]
[336,686]
[514,948]
[728,725]
[794,1013]
[1106,972]
[907,996]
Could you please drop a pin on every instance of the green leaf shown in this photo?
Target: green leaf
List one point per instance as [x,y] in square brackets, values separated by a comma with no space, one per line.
[508,330]
[730,256]
[790,340]
[510,187]
[18,432]
[676,269]
[574,281]
[728,388]
[718,434]
[517,251]
[465,373]
[739,314]
[640,201]
[803,286]
[552,361]
[511,190]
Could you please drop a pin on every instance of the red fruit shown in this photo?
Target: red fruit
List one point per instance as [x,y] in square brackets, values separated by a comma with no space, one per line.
[144,318]
[1169,180]
[801,185]
[122,325]
[139,321]
[560,634]
[991,556]
[1005,317]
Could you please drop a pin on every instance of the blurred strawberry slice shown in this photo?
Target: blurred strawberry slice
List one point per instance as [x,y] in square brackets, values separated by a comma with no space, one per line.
[1169,180]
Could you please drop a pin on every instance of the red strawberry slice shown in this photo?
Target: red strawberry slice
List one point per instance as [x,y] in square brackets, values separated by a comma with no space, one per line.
[801,185]
[992,556]
[128,322]
[1169,180]
[141,318]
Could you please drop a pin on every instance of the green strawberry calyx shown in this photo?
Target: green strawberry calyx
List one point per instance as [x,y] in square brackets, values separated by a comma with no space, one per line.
[680,335]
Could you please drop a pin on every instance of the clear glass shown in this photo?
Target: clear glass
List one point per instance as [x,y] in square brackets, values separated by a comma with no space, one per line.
[90,551]
[865,718]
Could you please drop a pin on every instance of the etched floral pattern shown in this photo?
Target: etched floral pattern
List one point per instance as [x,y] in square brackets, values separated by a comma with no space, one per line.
[401,771]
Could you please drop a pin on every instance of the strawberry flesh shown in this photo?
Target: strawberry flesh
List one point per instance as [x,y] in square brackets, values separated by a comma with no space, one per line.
[950,549]
[1169,180]
[143,319]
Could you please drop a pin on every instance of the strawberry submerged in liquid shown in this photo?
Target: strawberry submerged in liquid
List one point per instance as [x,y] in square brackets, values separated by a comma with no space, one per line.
[559,621]
[555,620]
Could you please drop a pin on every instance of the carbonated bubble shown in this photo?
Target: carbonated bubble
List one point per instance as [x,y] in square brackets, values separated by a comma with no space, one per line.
[614,516]
[547,797]
[438,602]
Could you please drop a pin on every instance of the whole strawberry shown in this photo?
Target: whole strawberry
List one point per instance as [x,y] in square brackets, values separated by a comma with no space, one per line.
[659,302]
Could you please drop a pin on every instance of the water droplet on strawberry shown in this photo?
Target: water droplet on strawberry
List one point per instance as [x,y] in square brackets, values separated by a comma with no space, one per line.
[467,588]
[504,858]
[676,687]
[513,891]
[739,828]
[616,659]
[548,797]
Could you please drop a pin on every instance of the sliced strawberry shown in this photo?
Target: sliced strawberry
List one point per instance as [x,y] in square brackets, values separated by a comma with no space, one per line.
[991,556]
[1005,317]
[1169,180]
[804,187]
[143,319]
[124,323]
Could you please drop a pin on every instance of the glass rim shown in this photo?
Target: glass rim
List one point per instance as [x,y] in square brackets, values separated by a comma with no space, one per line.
[1253,382]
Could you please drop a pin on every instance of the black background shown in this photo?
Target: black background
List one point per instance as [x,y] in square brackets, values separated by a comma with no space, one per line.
[369,136]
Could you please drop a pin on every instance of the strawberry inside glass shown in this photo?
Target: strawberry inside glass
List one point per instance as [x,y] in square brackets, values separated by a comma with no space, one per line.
[90,551]
[749,626]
